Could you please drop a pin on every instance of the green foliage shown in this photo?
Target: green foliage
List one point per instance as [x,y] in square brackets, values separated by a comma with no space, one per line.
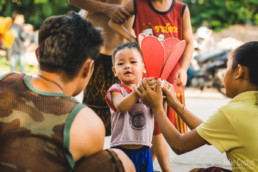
[218,14]
[35,11]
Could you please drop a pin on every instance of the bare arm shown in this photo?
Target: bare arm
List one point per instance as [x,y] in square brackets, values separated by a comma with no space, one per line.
[187,55]
[87,134]
[108,9]
[188,117]
[179,143]
[123,104]
[119,28]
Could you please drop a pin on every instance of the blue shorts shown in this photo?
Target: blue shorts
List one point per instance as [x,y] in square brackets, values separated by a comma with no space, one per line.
[141,158]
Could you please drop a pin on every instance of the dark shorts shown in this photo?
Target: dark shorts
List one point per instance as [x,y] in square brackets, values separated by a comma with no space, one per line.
[104,161]
[141,158]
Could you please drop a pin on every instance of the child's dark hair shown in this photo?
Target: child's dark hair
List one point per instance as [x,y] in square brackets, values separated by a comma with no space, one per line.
[65,43]
[247,55]
[123,46]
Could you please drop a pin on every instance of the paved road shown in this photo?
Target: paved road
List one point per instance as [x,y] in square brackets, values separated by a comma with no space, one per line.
[202,104]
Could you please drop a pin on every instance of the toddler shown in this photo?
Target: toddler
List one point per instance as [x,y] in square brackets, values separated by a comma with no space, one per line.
[132,122]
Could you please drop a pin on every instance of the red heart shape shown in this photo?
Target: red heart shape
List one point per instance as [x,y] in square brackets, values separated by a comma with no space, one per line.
[159,57]
[168,46]
[153,56]
[172,59]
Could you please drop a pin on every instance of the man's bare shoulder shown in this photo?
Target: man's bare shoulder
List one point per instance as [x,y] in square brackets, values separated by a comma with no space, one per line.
[87,134]
[89,119]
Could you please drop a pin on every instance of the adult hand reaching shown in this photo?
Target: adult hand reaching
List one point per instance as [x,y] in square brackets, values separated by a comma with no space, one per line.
[153,99]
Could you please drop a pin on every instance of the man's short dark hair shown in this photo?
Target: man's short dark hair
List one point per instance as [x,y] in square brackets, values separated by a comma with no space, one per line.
[65,43]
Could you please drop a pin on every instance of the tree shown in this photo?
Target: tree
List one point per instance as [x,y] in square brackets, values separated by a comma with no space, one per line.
[220,14]
[217,13]
[35,11]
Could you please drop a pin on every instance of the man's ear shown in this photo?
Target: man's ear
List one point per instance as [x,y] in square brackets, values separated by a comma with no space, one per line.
[241,72]
[37,53]
[114,71]
[87,68]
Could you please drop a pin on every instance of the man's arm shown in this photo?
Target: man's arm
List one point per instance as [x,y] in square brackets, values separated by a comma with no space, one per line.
[108,9]
[118,27]
[87,134]
[87,138]
[187,55]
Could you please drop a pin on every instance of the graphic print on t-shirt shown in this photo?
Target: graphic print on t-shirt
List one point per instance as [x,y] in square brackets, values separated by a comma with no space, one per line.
[137,120]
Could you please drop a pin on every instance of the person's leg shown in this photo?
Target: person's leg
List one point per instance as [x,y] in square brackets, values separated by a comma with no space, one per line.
[153,155]
[13,62]
[161,149]
[8,54]
[22,62]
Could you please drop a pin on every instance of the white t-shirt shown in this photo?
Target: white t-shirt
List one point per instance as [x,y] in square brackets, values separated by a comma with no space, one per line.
[135,127]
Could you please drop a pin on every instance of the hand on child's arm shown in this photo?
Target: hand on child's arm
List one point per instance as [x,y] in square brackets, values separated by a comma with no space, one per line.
[118,13]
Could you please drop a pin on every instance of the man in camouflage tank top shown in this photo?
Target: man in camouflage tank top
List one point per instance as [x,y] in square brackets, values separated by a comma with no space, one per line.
[41,127]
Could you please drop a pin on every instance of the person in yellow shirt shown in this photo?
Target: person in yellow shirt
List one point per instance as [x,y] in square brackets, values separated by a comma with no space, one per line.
[232,129]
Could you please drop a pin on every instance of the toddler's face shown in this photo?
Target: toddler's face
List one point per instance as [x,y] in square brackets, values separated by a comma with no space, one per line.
[128,66]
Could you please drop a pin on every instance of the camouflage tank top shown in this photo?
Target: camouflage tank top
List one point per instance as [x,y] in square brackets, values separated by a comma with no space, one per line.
[34,127]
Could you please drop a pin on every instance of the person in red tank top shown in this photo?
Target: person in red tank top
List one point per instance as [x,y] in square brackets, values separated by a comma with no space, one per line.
[163,19]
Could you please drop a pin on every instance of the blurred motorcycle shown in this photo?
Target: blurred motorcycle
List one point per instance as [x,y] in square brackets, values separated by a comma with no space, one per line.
[207,70]
[208,65]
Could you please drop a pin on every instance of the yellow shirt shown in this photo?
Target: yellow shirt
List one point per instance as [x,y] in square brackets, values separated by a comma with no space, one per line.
[234,129]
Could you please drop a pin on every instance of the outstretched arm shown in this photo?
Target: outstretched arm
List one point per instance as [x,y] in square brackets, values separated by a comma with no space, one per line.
[188,117]
[179,143]
[123,104]
[118,27]
[181,75]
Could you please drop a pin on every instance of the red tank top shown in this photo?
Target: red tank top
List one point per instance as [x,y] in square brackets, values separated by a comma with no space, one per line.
[163,25]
